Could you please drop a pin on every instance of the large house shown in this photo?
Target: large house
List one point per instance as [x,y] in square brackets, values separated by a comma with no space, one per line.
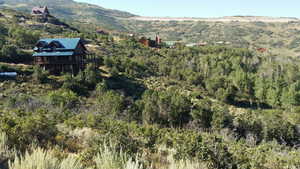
[60,55]
[40,11]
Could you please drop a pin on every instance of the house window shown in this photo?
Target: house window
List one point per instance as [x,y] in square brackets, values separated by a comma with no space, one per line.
[39,59]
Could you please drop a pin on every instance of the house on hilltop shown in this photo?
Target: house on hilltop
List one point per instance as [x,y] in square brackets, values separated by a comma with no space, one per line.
[40,11]
[60,55]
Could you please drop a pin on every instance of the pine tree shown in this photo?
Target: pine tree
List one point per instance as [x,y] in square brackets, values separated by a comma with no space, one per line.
[261,89]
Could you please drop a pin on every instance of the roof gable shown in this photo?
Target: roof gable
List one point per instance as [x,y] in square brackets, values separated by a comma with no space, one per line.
[55,44]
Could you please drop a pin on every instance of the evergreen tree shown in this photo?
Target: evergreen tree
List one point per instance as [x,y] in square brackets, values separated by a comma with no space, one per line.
[274,96]
[261,90]
[150,111]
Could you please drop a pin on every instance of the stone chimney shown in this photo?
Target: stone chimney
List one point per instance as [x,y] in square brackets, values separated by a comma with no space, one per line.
[157,39]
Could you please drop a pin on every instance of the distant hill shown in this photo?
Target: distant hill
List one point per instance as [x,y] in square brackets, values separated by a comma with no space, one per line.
[280,36]
[222,19]
[70,11]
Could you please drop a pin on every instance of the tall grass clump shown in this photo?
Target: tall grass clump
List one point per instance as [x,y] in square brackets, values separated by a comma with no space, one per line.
[71,162]
[39,158]
[131,164]
[109,158]
[42,159]
[5,153]
[169,161]
[185,164]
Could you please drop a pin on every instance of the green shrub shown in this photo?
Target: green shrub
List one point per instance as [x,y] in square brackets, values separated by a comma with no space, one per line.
[202,114]
[111,103]
[167,108]
[244,126]
[63,98]
[40,75]
[73,84]
[89,77]
[23,128]
[9,53]
[206,148]
[221,118]
[282,131]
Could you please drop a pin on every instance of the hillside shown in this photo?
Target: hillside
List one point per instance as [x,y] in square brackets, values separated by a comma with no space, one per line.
[279,36]
[221,19]
[70,11]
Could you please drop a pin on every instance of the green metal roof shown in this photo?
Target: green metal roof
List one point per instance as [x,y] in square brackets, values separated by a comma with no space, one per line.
[68,43]
[53,54]
[67,48]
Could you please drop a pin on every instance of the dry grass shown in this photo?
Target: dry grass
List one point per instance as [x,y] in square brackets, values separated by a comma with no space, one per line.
[108,158]
[42,159]
[5,153]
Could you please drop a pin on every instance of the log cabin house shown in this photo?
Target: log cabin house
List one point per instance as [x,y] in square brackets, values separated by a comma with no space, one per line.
[60,55]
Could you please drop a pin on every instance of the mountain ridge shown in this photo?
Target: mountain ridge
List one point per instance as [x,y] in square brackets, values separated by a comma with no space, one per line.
[220,19]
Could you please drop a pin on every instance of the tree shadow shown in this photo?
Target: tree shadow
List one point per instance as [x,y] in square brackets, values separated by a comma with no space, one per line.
[129,86]
[248,105]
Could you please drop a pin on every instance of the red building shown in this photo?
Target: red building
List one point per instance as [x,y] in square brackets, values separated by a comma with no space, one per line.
[151,43]
[262,50]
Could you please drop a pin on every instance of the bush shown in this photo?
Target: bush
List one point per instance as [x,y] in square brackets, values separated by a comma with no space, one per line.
[40,75]
[245,127]
[111,104]
[221,118]
[74,85]
[10,52]
[23,128]
[63,98]
[167,108]
[282,131]
[202,114]
[89,77]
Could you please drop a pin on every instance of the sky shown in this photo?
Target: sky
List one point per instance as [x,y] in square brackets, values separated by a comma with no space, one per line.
[204,8]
